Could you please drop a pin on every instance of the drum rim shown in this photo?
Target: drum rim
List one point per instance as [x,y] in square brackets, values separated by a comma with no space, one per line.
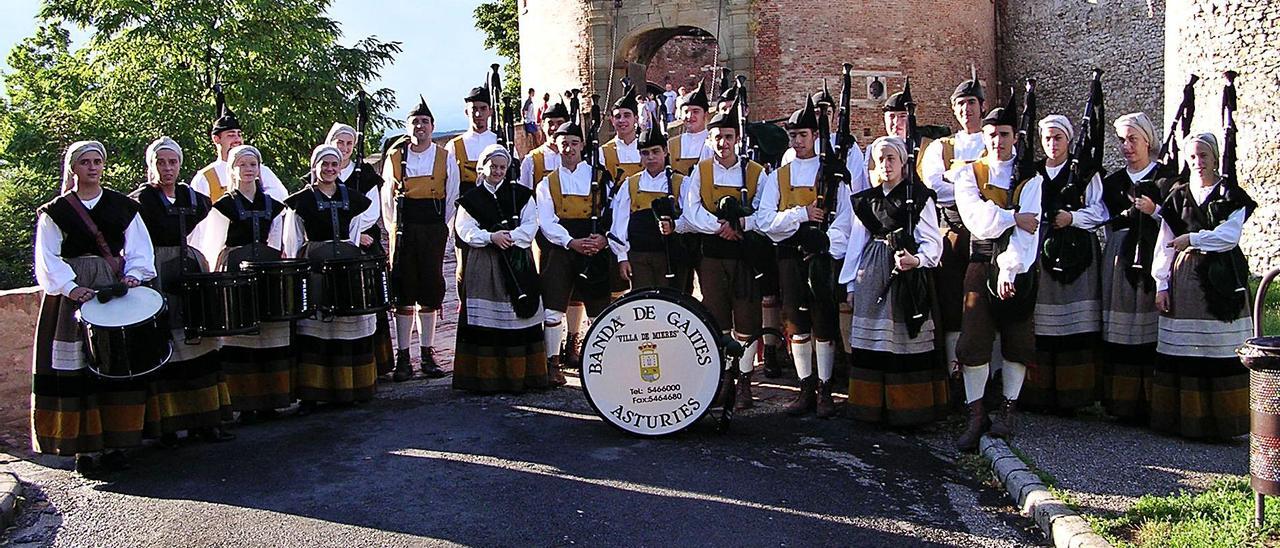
[260,264]
[164,307]
[219,275]
[93,368]
[701,312]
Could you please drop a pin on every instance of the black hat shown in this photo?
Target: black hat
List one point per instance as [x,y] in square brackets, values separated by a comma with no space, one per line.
[1003,116]
[698,97]
[226,119]
[823,97]
[652,136]
[628,101]
[422,109]
[970,87]
[804,118]
[557,110]
[569,128]
[479,95]
[896,103]
[727,119]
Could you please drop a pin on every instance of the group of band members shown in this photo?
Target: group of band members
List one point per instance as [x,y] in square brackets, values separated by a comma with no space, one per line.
[935,268]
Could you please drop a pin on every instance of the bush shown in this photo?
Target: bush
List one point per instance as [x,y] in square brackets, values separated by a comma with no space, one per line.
[22,190]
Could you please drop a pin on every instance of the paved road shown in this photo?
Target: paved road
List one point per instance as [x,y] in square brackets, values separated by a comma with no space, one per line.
[424,465]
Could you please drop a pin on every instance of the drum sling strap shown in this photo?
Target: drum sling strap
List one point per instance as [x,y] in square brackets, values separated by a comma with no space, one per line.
[323,203]
[116,263]
[253,216]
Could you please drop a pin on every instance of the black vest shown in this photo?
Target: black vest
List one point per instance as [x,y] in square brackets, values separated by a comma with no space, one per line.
[313,207]
[887,216]
[161,216]
[1224,275]
[243,214]
[113,213]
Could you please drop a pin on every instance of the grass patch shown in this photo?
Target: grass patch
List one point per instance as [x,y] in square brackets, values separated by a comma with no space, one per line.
[975,465]
[1046,478]
[1222,516]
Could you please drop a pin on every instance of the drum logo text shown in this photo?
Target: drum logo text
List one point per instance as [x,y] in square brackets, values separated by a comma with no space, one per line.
[649,369]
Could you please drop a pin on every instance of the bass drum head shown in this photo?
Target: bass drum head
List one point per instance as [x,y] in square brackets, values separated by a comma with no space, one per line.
[137,305]
[651,362]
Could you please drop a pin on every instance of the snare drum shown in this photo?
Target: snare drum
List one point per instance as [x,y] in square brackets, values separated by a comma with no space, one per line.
[125,337]
[282,288]
[354,286]
[220,303]
[651,362]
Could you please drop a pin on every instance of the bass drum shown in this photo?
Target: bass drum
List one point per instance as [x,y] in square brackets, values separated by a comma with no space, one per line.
[651,362]
[124,337]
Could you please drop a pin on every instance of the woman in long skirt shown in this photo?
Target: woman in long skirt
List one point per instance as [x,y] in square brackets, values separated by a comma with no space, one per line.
[499,346]
[1068,313]
[1200,388]
[895,377]
[72,411]
[1129,317]
[189,392]
[259,367]
[325,221]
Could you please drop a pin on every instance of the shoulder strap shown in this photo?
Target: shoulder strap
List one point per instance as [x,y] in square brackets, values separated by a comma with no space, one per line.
[439,171]
[104,250]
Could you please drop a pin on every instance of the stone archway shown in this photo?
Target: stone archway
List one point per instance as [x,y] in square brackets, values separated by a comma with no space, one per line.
[679,56]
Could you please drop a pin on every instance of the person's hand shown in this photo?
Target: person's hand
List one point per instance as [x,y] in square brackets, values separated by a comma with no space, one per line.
[815,213]
[1062,219]
[582,246]
[1029,222]
[666,226]
[366,240]
[130,281]
[905,261]
[598,241]
[1162,301]
[1007,290]
[624,270]
[81,294]
[502,239]
[727,231]
[1181,243]
[1145,205]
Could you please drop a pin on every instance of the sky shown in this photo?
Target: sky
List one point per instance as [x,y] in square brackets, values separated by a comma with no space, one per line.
[443,57]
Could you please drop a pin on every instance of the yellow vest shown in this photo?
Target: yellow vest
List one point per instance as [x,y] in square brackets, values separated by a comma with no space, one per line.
[539,156]
[215,185]
[997,195]
[678,163]
[466,168]
[641,199]
[568,206]
[612,165]
[711,193]
[789,196]
[422,186]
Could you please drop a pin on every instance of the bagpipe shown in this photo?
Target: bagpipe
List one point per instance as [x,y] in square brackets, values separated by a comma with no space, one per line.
[911,287]
[594,269]
[1023,301]
[665,208]
[1068,251]
[734,209]
[518,271]
[820,272]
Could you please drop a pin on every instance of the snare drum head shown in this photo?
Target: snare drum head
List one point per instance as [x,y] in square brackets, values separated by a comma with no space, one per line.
[136,306]
[651,363]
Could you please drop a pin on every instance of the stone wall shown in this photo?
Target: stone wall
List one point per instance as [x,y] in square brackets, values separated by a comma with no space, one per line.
[1059,43]
[1208,37]
[682,61]
[18,311]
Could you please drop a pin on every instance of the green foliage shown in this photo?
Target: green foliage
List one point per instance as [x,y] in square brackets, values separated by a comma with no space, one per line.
[21,188]
[499,20]
[1270,307]
[1221,516]
[147,70]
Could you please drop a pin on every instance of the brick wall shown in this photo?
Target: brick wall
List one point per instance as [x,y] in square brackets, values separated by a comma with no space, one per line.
[682,61]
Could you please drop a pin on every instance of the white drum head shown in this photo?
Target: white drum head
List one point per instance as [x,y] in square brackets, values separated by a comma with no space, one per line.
[651,363]
[140,303]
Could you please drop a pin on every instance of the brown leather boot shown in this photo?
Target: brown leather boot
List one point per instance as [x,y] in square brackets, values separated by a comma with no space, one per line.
[978,425]
[403,370]
[431,369]
[572,358]
[1004,420]
[554,374]
[742,400]
[807,400]
[826,406]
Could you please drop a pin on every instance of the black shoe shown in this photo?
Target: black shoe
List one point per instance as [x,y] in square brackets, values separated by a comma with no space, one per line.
[430,369]
[403,370]
[214,434]
[772,369]
[86,466]
[250,417]
[306,407]
[170,441]
[268,414]
[114,460]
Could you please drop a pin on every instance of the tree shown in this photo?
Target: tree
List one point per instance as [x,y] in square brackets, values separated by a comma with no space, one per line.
[147,70]
[499,20]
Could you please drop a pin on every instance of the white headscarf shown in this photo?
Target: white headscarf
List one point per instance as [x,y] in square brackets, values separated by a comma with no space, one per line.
[338,129]
[1208,139]
[1142,123]
[74,152]
[492,151]
[163,143]
[235,154]
[318,154]
[1058,122]
[891,142]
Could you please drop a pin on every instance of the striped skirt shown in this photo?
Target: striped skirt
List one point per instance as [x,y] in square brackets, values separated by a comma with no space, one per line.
[495,350]
[1068,323]
[893,378]
[1129,326]
[1200,388]
[258,368]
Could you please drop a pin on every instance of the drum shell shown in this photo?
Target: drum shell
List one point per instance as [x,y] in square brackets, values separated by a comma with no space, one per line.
[129,351]
[283,288]
[354,286]
[220,303]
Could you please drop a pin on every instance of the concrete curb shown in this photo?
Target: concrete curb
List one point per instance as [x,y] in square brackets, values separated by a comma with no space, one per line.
[1061,525]
[10,492]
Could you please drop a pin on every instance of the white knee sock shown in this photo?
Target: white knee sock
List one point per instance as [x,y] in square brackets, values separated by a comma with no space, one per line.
[975,381]
[951,339]
[551,335]
[769,318]
[427,327]
[573,318]
[404,330]
[1014,374]
[802,352]
[846,328]
[747,362]
[826,352]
